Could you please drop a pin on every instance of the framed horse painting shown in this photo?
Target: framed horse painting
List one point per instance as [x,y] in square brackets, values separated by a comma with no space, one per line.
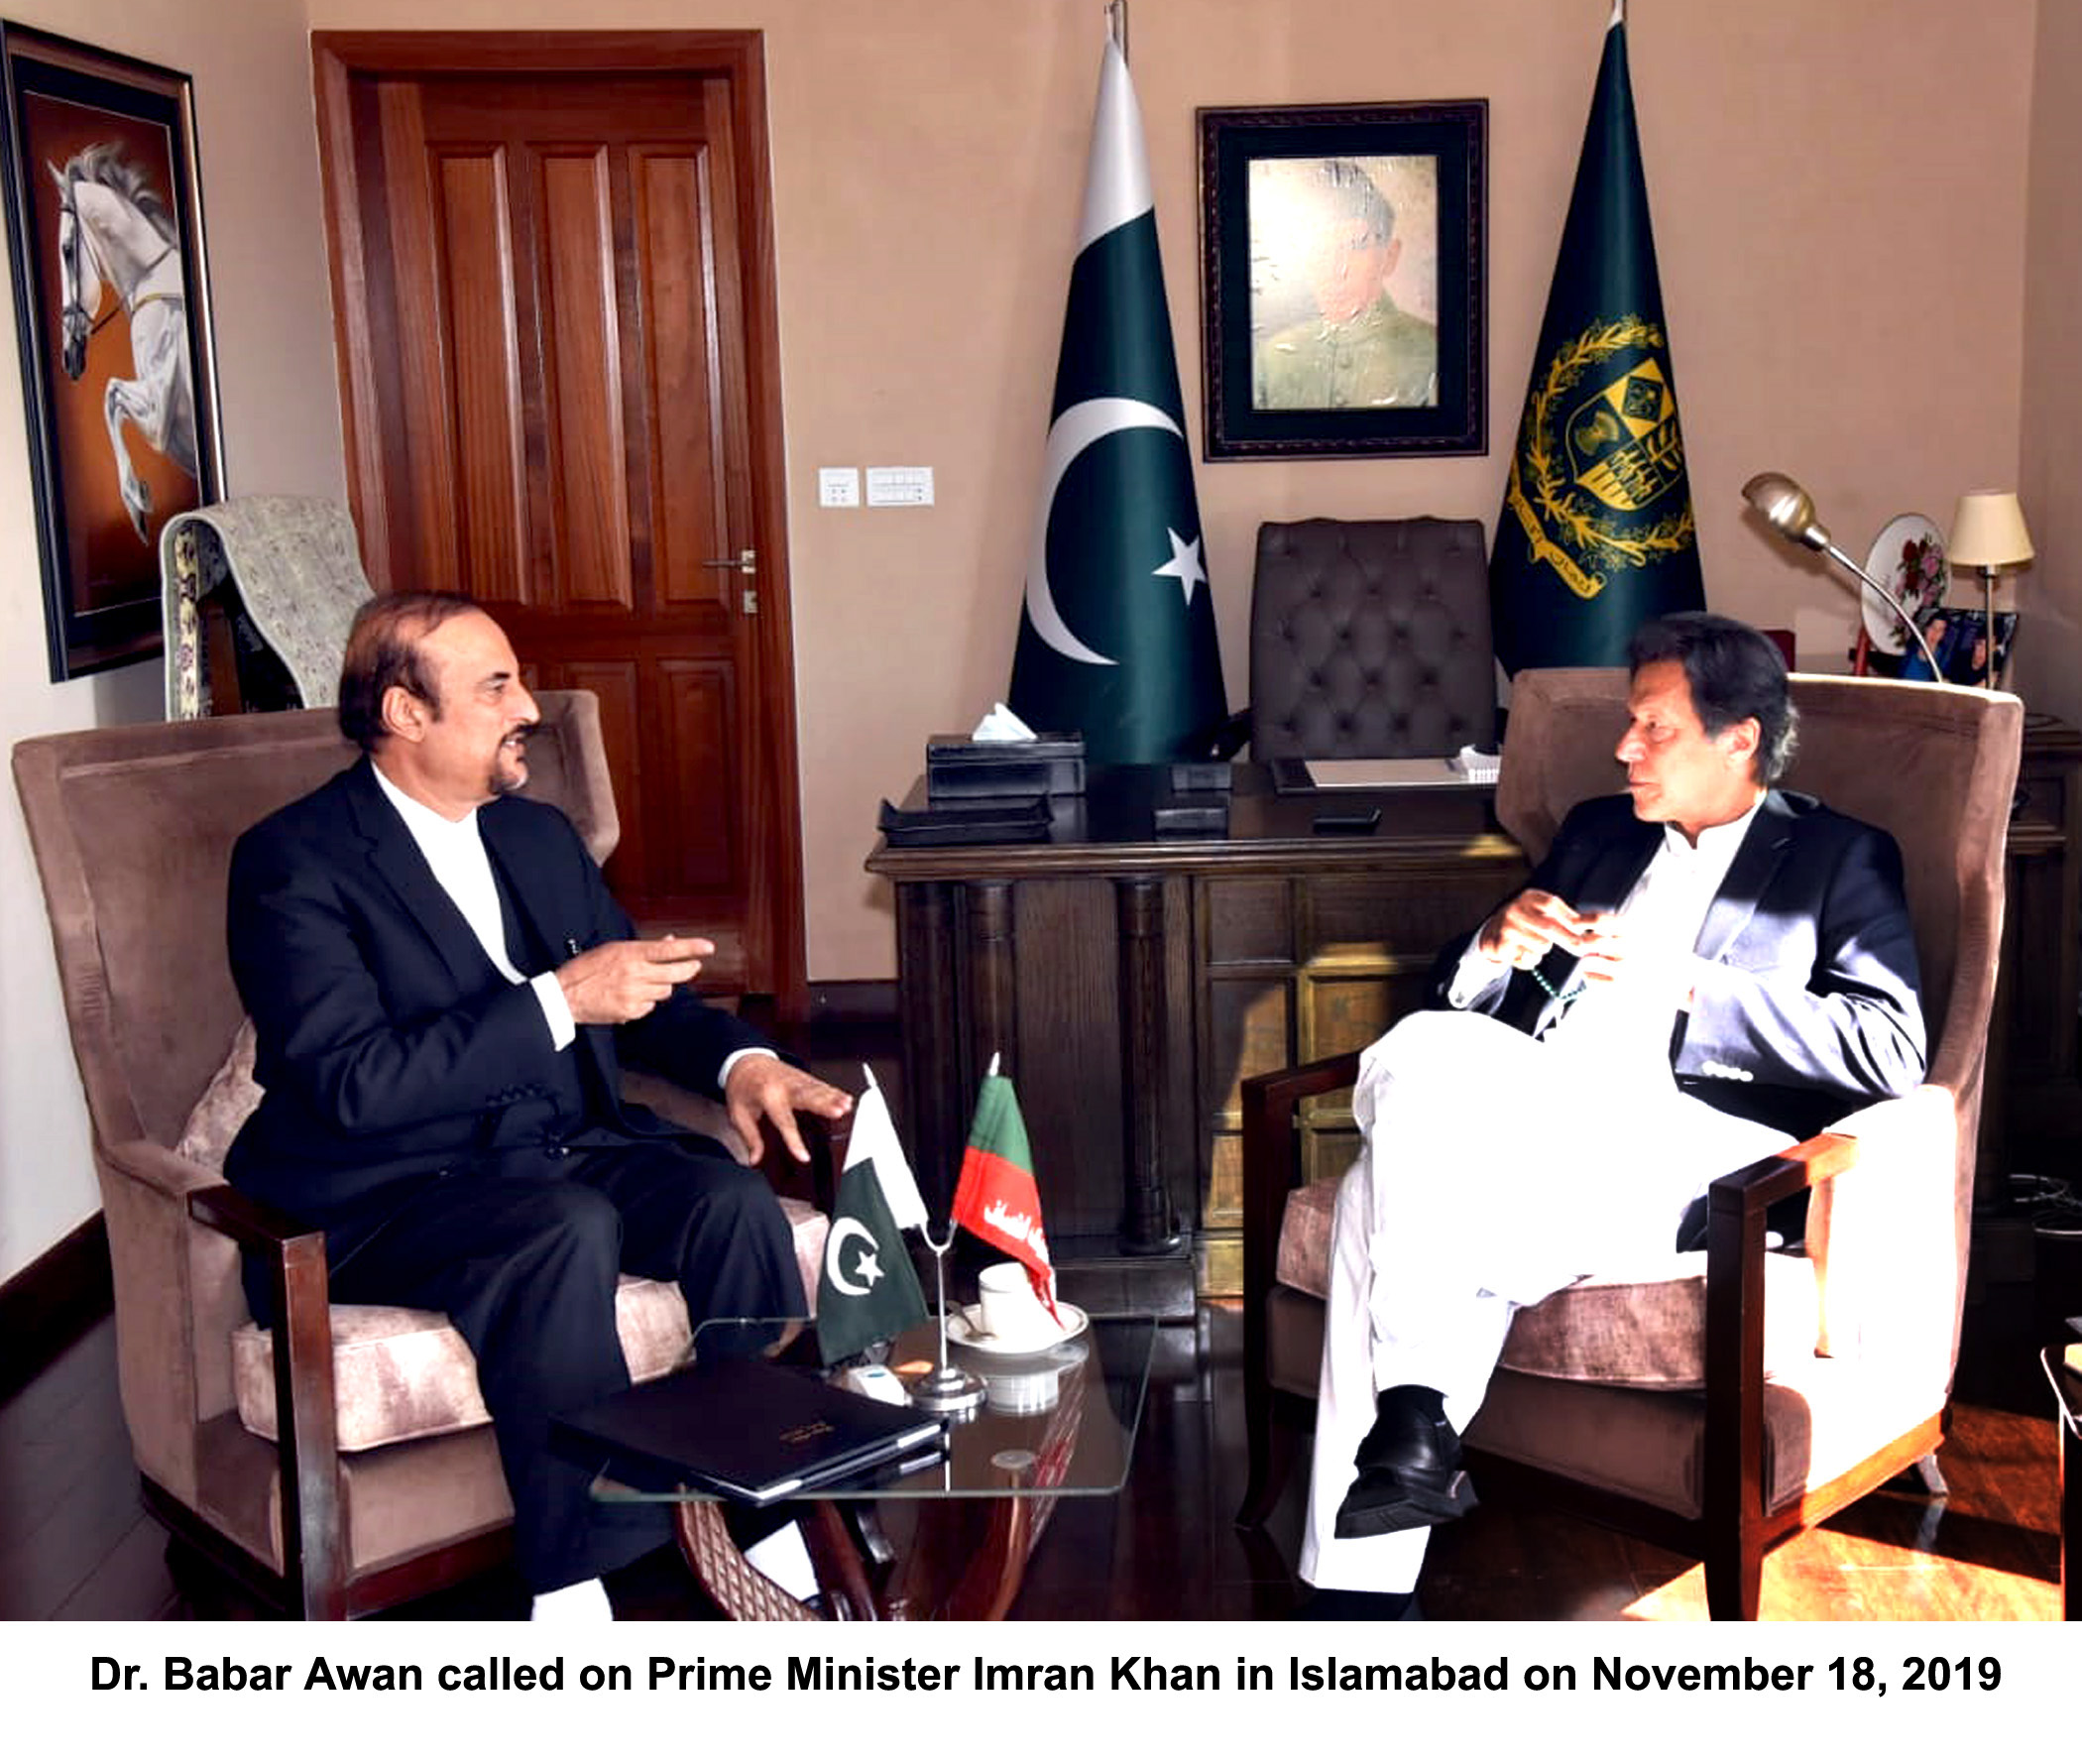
[104,218]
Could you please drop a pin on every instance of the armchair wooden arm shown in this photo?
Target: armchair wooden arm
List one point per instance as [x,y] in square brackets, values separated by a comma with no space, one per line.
[313,1536]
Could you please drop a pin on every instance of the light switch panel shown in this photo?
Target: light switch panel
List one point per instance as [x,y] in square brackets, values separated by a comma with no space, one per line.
[899,486]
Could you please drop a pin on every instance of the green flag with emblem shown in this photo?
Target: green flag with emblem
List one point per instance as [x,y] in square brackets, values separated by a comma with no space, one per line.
[1596,532]
[1116,637]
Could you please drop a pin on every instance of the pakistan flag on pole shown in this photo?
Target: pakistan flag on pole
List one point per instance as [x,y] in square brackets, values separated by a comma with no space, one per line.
[1596,534]
[1117,637]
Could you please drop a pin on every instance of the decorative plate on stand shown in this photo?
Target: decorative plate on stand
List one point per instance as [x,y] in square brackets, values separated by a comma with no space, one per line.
[1908,556]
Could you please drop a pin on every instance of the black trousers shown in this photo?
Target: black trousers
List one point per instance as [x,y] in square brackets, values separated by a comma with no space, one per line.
[523,1257]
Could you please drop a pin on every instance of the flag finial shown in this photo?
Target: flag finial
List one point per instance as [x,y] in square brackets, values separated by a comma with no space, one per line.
[1116,24]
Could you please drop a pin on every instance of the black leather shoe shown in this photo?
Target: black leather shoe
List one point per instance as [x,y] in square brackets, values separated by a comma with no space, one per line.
[1409,1464]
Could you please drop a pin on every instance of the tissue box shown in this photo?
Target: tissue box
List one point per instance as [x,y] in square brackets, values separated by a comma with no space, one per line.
[1050,764]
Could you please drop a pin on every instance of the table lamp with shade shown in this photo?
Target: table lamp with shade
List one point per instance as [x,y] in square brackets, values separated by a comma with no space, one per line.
[1789,510]
[1989,536]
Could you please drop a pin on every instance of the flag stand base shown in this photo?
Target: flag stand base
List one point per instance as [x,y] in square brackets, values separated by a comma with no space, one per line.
[947,1390]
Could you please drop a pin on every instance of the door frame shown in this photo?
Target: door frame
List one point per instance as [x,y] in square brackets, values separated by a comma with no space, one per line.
[774,938]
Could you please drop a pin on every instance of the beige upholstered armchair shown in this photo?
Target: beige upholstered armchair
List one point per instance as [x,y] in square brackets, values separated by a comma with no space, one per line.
[340,1461]
[1723,1401]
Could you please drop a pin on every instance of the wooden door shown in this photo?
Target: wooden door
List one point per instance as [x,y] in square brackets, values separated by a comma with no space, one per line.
[552,379]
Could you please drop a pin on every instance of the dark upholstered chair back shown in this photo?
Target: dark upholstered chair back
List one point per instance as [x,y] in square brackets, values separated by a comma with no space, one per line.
[1371,640]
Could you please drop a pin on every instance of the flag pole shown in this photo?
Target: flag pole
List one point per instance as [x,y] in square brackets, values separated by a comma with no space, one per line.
[947,1389]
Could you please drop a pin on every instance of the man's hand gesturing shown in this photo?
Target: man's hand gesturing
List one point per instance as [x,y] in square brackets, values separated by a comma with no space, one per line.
[761,1086]
[617,982]
[1528,925]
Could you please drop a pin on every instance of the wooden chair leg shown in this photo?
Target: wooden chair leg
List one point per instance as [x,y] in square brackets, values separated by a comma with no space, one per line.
[1735,1576]
[1275,1443]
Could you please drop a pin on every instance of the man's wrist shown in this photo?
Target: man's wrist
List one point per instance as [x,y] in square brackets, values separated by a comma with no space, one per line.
[556,1010]
[731,1062]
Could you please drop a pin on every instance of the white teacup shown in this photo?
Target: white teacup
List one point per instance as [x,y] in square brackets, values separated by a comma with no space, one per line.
[1007,1310]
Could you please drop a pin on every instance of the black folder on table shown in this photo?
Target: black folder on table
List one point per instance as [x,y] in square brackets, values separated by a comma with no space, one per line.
[747,1429]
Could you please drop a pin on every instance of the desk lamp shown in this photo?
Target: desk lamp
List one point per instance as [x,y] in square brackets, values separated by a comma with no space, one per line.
[1790,512]
[1989,536]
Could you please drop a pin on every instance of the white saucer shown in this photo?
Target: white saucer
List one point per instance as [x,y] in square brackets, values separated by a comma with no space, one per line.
[965,1333]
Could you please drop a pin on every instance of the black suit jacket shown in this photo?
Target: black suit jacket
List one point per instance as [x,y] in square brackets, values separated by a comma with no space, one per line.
[1809,1007]
[390,1048]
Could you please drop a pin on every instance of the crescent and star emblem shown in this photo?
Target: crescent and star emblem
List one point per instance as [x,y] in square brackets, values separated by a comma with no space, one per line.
[1078,427]
[869,1266]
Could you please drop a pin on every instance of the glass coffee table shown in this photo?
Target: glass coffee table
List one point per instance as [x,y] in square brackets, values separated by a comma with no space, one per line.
[949,1537]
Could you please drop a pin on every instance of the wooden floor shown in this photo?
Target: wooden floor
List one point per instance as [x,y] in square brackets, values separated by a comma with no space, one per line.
[75,1542]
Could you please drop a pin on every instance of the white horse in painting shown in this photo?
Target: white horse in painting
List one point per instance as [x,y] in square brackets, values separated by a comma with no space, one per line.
[115,234]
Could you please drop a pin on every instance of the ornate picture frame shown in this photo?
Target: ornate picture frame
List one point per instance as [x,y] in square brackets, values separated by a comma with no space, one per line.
[1344,295]
[104,221]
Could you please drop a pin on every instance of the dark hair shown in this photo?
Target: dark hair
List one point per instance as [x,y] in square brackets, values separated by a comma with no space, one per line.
[1734,672]
[383,650]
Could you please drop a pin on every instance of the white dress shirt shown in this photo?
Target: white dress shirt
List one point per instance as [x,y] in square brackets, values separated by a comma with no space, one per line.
[455,852]
[1627,1018]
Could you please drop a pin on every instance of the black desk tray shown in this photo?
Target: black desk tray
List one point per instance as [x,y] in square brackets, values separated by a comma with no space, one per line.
[975,820]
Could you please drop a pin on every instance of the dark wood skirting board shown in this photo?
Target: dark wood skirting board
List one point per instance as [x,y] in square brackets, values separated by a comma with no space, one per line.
[54,1301]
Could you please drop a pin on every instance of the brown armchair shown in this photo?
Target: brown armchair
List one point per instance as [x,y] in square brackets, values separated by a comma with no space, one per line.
[1721,1403]
[341,1462]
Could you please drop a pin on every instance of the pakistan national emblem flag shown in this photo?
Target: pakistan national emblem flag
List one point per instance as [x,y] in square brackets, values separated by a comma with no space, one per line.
[1596,532]
[1116,639]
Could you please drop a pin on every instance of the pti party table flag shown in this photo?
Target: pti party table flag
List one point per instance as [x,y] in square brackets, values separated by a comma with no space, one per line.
[995,1199]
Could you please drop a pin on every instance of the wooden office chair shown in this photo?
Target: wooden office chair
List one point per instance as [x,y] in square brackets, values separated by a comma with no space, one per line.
[341,1462]
[1725,1402]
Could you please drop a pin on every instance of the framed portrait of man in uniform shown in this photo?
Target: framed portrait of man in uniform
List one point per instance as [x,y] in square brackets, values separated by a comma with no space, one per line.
[1344,300]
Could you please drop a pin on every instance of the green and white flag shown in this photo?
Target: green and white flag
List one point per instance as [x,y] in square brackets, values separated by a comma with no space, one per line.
[873,1140]
[1596,532]
[1116,639]
[865,1289]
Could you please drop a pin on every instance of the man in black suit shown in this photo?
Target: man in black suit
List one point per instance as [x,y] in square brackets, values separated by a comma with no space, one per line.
[1700,971]
[443,989]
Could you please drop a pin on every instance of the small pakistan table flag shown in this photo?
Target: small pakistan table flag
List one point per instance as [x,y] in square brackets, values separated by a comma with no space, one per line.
[866,1290]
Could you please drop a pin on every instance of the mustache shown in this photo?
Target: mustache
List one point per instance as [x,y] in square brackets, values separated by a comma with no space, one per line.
[522,730]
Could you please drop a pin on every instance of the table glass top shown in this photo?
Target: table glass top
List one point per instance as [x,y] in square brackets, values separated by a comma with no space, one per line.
[1062,1421]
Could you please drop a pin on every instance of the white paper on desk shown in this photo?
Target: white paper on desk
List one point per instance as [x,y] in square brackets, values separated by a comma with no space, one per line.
[1383,774]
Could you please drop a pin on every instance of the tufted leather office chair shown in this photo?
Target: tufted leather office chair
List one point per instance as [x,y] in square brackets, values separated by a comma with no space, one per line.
[1371,640]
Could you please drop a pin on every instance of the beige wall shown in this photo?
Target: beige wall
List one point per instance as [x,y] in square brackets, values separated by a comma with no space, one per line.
[2049,640]
[282,431]
[1840,191]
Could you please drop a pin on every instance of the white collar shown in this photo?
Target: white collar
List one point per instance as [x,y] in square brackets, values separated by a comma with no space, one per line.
[427,825]
[1716,845]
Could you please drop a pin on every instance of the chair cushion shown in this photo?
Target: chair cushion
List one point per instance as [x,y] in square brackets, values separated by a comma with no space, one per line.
[226,1100]
[401,1373]
[1643,1326]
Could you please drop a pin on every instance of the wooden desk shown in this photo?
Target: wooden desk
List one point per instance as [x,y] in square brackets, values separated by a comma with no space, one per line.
[1132,982]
